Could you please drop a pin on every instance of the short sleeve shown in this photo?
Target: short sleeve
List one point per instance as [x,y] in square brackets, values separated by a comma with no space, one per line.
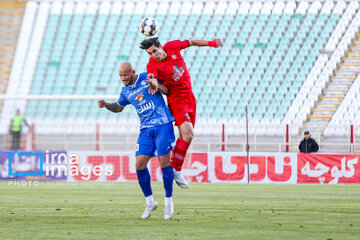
[184,44]
[177,44]
[151,68]
[123,100]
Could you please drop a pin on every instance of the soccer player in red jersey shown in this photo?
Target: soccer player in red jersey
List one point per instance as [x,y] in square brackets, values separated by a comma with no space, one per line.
[167,65]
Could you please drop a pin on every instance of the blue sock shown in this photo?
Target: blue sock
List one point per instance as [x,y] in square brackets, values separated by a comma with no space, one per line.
[144,181]
[168,179]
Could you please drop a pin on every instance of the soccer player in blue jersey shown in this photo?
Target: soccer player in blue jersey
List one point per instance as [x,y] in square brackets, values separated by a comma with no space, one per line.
[156,132]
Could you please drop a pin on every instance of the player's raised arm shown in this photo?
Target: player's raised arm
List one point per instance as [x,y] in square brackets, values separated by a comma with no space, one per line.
[113,107]
[203,43]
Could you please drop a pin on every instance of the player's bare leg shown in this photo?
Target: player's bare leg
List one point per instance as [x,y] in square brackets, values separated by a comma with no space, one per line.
[144,182]
[168,176]
[186,134]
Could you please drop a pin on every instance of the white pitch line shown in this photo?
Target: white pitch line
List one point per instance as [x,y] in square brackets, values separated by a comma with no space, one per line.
[275,211]
[316,213]
[199,210]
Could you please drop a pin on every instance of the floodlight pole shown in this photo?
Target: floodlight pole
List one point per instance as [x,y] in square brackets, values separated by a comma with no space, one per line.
[247,144]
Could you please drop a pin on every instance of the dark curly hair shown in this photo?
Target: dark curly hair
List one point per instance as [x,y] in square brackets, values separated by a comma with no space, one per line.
[146,43]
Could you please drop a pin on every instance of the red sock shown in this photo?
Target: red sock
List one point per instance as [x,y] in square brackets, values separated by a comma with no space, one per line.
[179,154]
[172,158]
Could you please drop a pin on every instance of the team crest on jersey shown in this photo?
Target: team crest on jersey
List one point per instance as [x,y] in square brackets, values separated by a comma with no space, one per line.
[174,56]
[139,97]
[178,72]
[143,82]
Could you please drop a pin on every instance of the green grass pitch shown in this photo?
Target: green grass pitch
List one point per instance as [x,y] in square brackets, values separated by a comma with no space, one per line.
[205,211]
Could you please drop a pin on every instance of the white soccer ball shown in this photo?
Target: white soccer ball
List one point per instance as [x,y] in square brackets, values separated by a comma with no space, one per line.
[149,26]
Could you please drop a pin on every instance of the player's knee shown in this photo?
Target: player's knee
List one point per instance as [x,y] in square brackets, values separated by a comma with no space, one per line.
[164,160]
[188,136]
[164,164]
[187,132]
[140,166]
[191,134]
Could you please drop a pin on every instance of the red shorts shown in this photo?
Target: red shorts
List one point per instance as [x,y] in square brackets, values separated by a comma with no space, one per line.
[182,115]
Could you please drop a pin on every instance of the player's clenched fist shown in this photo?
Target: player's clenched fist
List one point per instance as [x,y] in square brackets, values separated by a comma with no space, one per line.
[153,84]
[102,103]
[219,42]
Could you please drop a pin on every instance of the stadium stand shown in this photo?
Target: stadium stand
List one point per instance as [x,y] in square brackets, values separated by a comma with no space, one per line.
[278,59]
[347,113]
[338,83]
[11,14]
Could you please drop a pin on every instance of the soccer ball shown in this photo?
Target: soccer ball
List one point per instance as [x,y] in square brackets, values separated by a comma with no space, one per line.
[148,26]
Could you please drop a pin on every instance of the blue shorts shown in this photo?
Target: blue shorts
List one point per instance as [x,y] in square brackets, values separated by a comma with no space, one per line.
[156,141]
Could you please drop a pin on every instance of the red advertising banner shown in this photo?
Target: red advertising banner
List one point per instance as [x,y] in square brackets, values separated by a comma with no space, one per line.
[264,167]
[328,168]
[198,167]
[210,167]
[120,166]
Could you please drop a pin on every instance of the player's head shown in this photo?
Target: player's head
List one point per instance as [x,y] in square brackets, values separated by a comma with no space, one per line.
[154,48]
[127,73]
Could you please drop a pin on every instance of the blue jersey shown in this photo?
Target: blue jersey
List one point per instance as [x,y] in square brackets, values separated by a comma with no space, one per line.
[152,109]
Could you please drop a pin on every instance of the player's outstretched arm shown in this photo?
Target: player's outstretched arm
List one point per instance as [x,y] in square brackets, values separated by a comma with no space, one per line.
[203,43]
[113,107]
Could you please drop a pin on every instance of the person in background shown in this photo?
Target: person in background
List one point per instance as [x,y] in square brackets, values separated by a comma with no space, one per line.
[15,128]
[308,145]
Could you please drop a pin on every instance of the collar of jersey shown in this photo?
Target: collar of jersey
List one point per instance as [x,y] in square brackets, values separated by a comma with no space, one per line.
[134,84]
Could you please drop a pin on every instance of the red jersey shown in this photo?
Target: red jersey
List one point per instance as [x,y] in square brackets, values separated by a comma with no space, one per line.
[175,76]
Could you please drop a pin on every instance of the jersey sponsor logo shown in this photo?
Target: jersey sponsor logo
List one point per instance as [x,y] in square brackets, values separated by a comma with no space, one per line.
[139,97]
[142,102]
[136,91]
[174,56]
[178,72]
[144,107]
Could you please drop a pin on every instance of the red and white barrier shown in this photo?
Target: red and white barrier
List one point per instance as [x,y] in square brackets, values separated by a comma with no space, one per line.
[229,167]
[328,168]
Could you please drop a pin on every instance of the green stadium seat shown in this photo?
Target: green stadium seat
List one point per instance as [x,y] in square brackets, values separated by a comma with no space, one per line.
[265,55]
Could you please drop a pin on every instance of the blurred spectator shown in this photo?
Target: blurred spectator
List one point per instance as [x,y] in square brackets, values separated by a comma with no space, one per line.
[15,128]
[308,145]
